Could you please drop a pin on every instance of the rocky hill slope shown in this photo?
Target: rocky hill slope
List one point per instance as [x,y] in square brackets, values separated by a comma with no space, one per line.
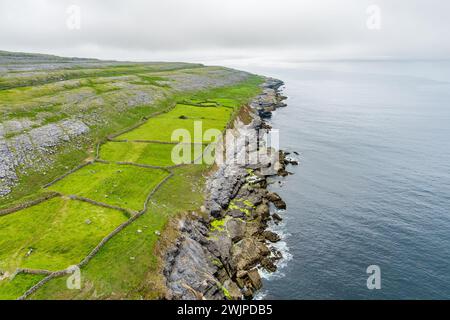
[53,108]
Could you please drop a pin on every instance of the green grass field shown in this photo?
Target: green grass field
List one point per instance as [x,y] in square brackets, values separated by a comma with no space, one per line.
[195,112]
[11,289]
[195,119]
[129,266]
[117,185]
[174,130]
[153,154]
[54,234]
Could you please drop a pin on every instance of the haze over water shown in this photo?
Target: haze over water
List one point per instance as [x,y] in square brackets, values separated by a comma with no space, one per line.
[373,186]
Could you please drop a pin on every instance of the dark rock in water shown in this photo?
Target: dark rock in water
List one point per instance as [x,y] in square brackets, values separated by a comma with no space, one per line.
[280,204]
[283,173]
[276,254]
[276,200]
[271,236]
[290,160]
[268,264]
[296,153]
[265,114]
[272,196]
[255,279]
[276,217]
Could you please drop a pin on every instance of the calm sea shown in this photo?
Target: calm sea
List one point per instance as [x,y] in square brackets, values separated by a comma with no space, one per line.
[373,187]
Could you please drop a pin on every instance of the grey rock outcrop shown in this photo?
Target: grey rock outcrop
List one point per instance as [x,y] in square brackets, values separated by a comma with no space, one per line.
[31,150]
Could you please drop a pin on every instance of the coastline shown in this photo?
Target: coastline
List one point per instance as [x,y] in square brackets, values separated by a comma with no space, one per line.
[220,251]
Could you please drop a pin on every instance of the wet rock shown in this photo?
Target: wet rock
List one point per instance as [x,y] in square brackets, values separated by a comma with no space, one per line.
[291,160]
[272,196]
[276,217]
[283,173]
[276,200]
[276,254]
[280,204]
[268,264]
[271,236]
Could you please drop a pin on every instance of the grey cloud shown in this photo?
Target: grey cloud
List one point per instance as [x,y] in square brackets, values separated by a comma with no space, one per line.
[137,28]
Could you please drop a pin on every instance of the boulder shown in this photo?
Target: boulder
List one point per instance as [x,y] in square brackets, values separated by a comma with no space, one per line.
[236,213]
[220,245]
[253,229]
[280,204]
[255,279]
[272,196]
[236,229]
[269,264]
[271,236]
[276,217]
[232,289]
[276,200]
[247,253]
[263,211]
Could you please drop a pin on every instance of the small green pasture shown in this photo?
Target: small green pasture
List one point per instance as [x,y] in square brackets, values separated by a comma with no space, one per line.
[54,234]
[13,288]
[185,130]
[128,266]
[154,154]
[124,186]
[196,112]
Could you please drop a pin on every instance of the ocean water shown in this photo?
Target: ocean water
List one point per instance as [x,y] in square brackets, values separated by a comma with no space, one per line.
[373,186]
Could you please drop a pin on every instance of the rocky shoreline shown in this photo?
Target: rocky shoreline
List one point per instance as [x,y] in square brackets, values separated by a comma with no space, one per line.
[220,251]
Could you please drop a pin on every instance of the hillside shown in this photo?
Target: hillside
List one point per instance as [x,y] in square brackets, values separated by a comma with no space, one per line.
[53,109]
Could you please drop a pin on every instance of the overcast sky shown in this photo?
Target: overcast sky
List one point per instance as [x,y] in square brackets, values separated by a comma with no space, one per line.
[204,30]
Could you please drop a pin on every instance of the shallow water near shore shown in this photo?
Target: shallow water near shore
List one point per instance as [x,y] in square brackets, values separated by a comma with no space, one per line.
[373,186]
